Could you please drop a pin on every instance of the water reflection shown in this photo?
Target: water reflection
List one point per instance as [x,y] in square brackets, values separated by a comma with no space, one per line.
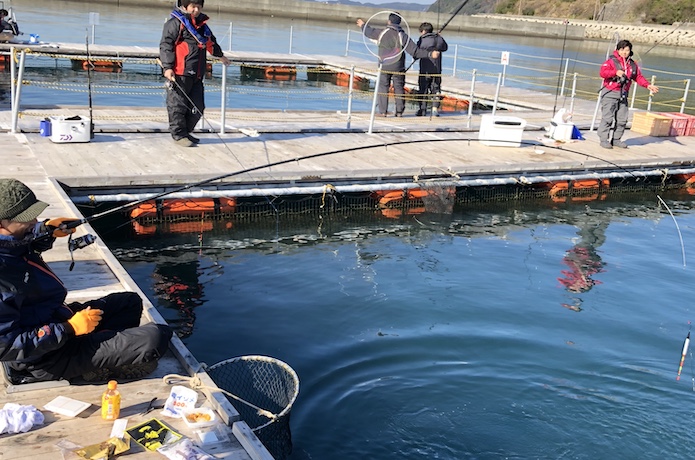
[178,288]
[583,260]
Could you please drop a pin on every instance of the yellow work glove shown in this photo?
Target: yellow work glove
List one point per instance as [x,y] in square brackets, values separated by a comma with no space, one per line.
[54,226]
[85,321]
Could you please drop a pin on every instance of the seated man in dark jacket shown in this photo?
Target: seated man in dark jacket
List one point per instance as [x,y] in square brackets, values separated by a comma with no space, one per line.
[42,337]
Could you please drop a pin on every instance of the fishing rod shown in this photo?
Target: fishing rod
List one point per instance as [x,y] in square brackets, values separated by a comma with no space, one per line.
[453,15]
[77,222]
[559,73]
[89,88]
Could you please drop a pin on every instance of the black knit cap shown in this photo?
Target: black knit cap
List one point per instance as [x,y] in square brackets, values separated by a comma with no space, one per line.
[18,202]
[394,18]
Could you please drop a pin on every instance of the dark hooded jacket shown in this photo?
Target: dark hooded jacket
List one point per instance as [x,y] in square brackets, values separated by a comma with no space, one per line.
[392,41]
[185,43]
[432,42]
[33,315]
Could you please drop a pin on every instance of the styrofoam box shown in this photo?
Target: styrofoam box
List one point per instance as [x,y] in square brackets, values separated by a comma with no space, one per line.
[501,131]
[562,131]
[72,129]
[191,414]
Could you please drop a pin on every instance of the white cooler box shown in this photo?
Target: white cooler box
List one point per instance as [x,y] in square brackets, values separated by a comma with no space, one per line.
[501,131]
[70,129]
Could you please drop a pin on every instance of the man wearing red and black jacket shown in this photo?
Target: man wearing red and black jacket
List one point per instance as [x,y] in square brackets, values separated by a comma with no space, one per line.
[618,72]
[186,40]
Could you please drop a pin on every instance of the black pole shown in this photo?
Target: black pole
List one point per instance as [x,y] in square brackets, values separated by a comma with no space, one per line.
[89,88]
[453,15]
[559,73]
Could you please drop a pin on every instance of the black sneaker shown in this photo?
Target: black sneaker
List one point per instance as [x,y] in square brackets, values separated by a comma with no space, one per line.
[193,139]
[420,113]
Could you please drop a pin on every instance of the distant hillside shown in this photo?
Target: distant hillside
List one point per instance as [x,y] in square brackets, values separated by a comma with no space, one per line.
[393,6]
[635,11]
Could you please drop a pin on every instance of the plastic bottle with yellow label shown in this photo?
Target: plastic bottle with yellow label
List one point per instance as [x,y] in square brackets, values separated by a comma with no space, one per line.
[111,402]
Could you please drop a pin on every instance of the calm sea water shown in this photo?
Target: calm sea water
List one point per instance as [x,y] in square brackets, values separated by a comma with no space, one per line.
[547,331]
[535,331]
[535,62]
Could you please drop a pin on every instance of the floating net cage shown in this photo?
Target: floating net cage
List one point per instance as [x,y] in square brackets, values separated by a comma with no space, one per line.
[263,390]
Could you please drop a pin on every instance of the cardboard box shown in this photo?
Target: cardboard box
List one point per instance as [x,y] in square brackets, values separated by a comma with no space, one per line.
[501,131]
[72,129]
[651,124]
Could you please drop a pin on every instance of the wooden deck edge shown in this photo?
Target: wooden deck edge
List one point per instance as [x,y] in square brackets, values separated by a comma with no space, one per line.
[249,441]
[215,397]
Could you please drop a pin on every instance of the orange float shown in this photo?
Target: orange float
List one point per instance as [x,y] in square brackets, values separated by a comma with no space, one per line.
[101,66]
[280,73]
[183,207]
[560,191]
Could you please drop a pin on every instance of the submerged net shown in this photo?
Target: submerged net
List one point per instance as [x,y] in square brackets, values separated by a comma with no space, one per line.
[438,197]
[267,388]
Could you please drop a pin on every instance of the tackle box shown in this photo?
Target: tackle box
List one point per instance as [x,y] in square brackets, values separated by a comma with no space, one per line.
[70,129]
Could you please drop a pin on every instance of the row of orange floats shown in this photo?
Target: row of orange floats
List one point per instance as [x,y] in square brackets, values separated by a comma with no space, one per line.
[579,190]
[446,103]
[97,66]
[273,72]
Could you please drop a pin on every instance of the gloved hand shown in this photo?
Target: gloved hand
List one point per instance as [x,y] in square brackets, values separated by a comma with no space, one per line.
[54,226]
[85,321]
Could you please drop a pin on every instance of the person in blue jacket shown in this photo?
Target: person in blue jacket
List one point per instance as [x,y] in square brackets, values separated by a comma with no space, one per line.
[42,337]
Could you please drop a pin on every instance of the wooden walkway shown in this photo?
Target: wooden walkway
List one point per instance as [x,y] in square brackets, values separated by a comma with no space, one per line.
[132,152]
[96,274]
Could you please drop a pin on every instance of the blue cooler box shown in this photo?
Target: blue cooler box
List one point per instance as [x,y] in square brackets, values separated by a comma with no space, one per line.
[45,128]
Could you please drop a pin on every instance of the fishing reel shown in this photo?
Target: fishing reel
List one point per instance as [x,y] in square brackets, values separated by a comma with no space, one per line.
[81,242]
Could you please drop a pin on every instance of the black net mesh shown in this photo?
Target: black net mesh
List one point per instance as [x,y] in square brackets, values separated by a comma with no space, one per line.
[266,383]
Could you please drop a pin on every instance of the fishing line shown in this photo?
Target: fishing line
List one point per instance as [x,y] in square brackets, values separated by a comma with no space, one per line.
[677,227]
[185,187]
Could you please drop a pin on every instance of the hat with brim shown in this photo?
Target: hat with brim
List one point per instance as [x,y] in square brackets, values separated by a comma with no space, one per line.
[18,203]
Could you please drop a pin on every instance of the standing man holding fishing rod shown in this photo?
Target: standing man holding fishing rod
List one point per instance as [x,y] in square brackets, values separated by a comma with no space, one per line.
[618,72]
[430,78]
[186,40]
[392,42]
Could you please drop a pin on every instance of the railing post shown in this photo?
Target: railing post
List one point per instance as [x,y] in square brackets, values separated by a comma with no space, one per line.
[649,102]
[497,93]
[598,103]
[350,94]
[13,76]
[347,43]
[18,92]
[632,99]
[470,99]
[685,94]
[374,100]
[223,102]
[230,36]
[564,77]
[291,34]
[574,92]
[456,58]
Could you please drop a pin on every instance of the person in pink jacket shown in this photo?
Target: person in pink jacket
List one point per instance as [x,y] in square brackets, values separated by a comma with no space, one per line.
[618,72]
